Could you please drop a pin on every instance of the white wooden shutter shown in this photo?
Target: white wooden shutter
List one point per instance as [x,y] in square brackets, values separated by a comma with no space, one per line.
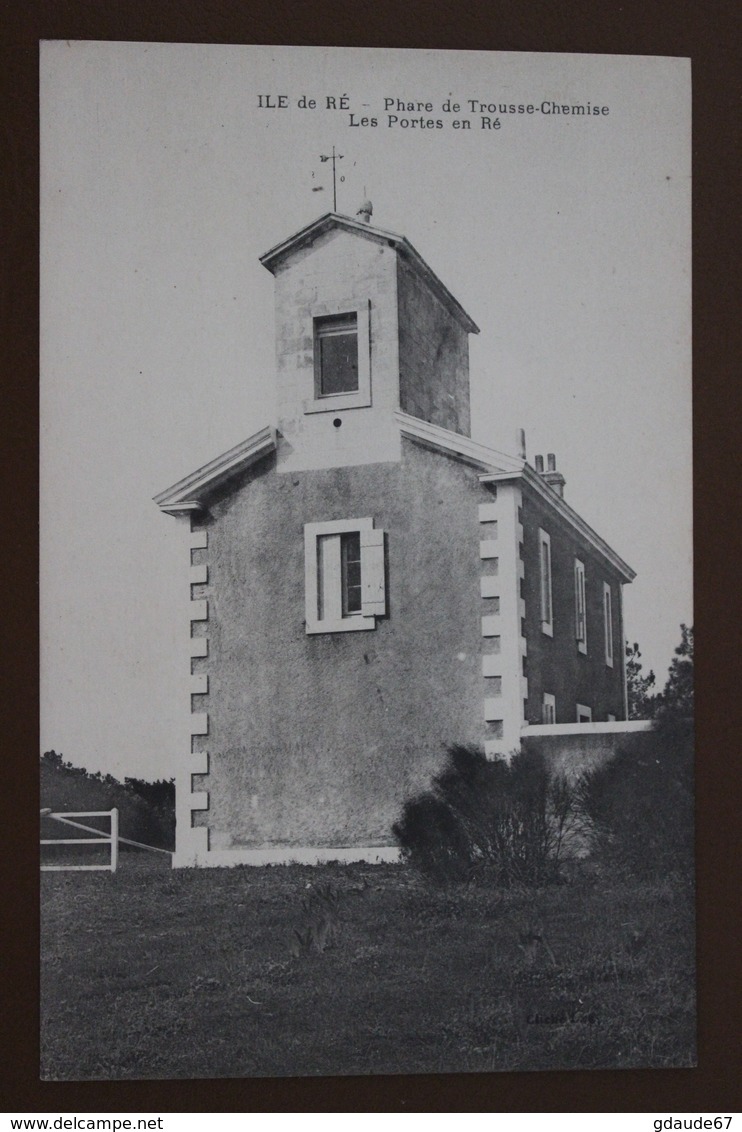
[373,582]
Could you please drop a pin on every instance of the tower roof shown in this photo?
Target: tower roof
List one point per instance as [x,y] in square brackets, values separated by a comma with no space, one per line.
[281,252]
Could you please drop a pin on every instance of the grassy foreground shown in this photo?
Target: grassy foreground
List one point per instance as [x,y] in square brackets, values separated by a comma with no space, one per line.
[154,974]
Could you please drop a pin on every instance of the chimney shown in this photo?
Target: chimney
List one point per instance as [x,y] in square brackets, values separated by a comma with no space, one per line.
[554,478]
[365,212]
[520,440]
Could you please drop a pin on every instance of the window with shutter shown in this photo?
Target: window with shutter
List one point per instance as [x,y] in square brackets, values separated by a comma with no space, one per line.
[345,585]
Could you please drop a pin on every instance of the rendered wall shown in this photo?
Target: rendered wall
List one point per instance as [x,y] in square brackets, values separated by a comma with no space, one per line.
[317,740]
[555,664]
[433,356]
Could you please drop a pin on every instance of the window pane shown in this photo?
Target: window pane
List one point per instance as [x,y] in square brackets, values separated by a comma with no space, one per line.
[351,567]
[336,343]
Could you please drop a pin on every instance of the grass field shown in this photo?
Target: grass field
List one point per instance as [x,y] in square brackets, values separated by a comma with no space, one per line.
[150,973]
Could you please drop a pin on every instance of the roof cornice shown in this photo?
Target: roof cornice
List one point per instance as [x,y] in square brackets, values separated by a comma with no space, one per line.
[274,256]
[189,493]
[567,513]
[454,444]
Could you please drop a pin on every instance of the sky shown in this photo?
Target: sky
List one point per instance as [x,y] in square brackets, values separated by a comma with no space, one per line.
[565,237]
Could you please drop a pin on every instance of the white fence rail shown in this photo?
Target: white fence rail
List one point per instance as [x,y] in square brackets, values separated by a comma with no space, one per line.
[111,839]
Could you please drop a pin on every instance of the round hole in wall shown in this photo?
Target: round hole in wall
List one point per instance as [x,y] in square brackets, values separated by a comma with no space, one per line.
[337,422]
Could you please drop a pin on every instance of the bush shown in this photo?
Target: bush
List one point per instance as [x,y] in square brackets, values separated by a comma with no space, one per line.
[65,787]
[639,806]
[506,819]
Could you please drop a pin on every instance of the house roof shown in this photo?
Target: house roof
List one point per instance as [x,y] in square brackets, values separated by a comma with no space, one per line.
[497,467]
[454,444]
[189,494]
[281,252]
[535,481]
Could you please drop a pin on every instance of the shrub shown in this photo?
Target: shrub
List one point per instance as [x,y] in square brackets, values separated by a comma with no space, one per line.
[639,806]
[507,819]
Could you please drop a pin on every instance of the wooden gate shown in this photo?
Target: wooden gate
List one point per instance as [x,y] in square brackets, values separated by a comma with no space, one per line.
[111,839]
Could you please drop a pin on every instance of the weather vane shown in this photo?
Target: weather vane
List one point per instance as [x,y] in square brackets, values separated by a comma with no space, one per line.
[333,157]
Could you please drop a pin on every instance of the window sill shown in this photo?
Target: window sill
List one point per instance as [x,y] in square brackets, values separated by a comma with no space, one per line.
[343,625]
[334,402]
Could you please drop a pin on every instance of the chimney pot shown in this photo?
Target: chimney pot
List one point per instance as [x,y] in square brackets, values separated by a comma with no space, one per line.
[552,461]
[520,440]
[539,464]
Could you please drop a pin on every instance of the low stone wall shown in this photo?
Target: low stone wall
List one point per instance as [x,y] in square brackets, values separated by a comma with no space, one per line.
[572,748]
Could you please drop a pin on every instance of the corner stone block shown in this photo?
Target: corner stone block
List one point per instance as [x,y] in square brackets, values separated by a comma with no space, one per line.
[199,540]
[492,708]
[199,575]
[200,723]
[488,548]
[489,586]
[491,665]
[199,685]
[487,512]
[199,762]
[199,646]
[490,626]
[199,610]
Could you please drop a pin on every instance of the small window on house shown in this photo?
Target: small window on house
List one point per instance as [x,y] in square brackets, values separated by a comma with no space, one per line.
[547,621]
[345,586]
[580,607]
[608,624]
[336,354]
[584,714]
[548,708]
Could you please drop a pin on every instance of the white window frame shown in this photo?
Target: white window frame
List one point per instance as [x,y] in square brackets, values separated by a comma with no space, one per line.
[608,623]
[355,399]
[330,600]
[548,708]
[580,607]
[547,603]
[583,709]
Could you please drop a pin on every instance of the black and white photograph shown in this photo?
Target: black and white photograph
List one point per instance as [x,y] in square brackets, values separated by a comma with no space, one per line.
[366,562]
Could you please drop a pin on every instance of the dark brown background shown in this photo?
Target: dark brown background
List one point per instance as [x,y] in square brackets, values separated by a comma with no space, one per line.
[710,34]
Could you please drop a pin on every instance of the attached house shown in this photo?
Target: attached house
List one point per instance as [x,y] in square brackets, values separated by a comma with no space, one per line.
[368,584]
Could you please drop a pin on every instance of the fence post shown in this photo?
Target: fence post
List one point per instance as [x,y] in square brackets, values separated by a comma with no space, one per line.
[114,839]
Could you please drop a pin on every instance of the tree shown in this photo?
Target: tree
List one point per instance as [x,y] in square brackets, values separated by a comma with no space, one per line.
[676,701]
[641,699]
[639,805]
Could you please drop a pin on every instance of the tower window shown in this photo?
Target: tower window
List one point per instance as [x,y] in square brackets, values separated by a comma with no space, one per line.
[336,354]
